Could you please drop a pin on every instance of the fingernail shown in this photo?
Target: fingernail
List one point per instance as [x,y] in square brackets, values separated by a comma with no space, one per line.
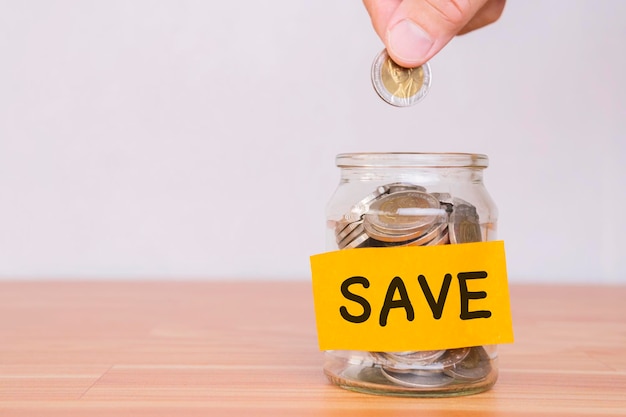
[409,42]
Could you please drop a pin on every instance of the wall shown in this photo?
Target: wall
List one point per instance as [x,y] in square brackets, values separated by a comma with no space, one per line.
[196,140]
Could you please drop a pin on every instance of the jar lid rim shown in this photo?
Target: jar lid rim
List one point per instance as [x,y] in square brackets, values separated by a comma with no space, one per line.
[412,159]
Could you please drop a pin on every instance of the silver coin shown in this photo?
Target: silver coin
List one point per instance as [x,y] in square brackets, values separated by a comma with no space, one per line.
[342,223]
[347,230]
[368,376]
[353,235]
[453,356]
[475,366]
[406,360]
[387,361]
[415,370]
[365,243]
[357,242]
[464,224]
[380,358]
[397,85]
[417,379]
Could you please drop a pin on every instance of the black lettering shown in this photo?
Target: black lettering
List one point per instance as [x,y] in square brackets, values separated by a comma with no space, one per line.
[345,291]
[436,306]
[403,302]
[471,295]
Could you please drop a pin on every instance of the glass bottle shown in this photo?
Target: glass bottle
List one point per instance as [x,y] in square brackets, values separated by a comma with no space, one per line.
[452,185]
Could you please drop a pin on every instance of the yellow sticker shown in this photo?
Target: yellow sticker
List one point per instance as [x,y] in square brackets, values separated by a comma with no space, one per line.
[412,297]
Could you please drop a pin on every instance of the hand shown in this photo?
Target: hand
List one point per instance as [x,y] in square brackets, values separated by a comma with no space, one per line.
[415,30]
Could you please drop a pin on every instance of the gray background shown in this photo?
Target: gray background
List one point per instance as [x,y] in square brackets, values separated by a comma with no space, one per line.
[196,139]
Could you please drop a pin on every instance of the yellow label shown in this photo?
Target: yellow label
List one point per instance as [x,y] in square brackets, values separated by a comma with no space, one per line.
[412,297]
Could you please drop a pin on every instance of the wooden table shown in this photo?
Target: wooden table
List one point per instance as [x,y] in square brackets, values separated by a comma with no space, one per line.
[250,349]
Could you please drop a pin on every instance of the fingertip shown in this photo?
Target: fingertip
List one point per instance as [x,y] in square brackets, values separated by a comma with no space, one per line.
[408,44]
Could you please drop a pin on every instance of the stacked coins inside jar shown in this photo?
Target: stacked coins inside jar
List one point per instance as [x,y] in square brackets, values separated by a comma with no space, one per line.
[411,199]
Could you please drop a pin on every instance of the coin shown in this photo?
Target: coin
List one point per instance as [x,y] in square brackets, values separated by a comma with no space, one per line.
[403,212]
[435,236]
[399,86]
[475,366]
[412,359]
[442,239]
[371,375]
[352,236]
[417,379]
[403,186]
[437,233]
[394,239]
[453,356]
[465,226]
[346,231]
[358,242]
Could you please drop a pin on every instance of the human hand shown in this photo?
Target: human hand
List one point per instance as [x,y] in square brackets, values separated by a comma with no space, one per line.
[413,31]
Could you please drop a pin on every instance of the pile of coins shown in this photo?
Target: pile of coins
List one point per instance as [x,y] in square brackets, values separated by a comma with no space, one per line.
[420,370]
[437,368]
[405,214]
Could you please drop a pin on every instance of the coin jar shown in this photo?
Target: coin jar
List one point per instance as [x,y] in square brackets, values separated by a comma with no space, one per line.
[452,185]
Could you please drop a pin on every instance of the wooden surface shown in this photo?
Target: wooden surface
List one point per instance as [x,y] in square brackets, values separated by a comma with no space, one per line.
[249,349]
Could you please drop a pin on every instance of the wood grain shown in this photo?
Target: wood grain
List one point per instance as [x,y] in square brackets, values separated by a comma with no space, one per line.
[249,348]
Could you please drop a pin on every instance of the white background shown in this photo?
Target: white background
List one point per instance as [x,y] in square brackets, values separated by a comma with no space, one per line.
[196,139]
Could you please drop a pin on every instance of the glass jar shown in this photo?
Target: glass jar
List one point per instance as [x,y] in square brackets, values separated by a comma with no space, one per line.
[371,207]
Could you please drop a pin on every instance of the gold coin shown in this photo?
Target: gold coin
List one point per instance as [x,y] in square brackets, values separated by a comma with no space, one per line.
[399,86]
[404,211]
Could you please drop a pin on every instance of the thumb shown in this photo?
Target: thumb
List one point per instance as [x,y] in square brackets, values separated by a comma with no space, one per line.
[415,30]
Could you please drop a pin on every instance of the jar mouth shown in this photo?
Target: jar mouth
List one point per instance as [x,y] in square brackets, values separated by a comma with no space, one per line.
[412,159]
